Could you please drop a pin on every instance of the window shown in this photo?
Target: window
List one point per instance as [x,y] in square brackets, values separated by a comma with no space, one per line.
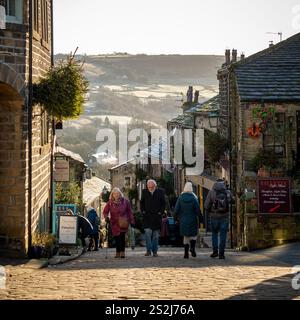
[36,16]
[127,182]
[44,20]
[274,135]
[44,129]
[14,10]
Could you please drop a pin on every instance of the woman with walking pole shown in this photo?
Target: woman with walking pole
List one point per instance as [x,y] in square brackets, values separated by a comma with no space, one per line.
[118,213]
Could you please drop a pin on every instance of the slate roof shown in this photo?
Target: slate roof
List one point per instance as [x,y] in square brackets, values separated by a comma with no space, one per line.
[271,75]
[211,107]
[92,188]
[68,153]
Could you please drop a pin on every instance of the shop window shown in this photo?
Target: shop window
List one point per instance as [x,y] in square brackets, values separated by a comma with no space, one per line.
[274,135]
[14,10]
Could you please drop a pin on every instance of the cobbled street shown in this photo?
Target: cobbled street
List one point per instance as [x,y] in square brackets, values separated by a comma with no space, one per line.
[261,275]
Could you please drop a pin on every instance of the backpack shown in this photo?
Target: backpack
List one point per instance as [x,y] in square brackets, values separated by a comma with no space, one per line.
[221,204]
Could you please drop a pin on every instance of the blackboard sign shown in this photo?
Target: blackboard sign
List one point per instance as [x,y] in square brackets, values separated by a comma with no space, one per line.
[274,195]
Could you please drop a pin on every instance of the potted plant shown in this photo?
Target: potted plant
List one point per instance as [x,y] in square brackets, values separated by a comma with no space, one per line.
[43,245]
[37,248]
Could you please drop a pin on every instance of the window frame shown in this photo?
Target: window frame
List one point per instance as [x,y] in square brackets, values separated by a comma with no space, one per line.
[275,137]
[44,129]
[44,22]
[18,17]
[125,184]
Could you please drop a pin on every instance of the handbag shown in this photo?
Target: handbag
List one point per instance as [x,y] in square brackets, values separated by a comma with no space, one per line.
[123,222]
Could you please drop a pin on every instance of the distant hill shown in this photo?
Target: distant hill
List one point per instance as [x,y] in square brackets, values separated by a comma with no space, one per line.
[143,87]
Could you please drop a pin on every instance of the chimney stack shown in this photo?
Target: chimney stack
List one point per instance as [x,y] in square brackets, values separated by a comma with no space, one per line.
[234,55]
[227,56]
[242,56]
[189,95]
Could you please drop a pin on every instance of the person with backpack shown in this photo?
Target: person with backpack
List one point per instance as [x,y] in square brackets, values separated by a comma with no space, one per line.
[217,204]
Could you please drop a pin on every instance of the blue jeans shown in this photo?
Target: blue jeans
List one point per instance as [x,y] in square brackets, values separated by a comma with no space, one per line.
[219,225]
[152,237]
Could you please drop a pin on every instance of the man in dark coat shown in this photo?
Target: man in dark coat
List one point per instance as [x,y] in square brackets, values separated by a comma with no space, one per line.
[153,205]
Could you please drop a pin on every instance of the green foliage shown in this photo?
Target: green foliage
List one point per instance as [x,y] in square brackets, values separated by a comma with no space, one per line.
[69,194]
[132,194]
[63,89]
[140,174]
[215,145]
[45,240]
[166,183]
[264,158]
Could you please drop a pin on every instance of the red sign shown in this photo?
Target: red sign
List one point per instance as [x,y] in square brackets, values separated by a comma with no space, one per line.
[274,195]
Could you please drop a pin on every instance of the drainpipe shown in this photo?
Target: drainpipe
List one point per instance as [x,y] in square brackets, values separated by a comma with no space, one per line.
[30,128]
[230,155]
[52,183]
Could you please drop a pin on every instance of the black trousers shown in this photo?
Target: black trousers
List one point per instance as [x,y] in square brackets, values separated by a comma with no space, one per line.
[94,238]
[120,242]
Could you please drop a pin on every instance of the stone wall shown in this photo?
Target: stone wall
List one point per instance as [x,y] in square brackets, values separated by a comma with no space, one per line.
[14,71]
[261,231]
[12,170]
[267,231]
[118,176]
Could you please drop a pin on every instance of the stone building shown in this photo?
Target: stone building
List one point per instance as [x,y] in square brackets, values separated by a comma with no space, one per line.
[204,115]
[260,108]
[25,130]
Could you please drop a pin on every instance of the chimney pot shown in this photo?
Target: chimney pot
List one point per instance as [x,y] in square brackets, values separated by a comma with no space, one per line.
[234,55]
[243,56]
[227,56]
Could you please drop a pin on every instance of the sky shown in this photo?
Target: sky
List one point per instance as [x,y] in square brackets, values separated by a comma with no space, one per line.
[172,26]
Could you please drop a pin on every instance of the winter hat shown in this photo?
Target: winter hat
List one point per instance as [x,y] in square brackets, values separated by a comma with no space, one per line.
[188,187]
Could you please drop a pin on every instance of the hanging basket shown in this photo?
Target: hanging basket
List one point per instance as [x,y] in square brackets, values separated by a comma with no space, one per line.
[62,92]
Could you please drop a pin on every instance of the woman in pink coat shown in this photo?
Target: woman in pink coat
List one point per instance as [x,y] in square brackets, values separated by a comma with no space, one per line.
[119,210]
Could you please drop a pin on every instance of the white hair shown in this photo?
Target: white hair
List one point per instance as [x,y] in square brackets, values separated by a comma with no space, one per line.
[113,191]
[152,181]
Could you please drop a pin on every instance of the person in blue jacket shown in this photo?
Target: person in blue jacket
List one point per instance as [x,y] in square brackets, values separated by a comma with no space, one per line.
[94,220]
[187,210]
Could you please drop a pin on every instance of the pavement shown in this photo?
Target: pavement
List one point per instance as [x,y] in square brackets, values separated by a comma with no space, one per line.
[265,274]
